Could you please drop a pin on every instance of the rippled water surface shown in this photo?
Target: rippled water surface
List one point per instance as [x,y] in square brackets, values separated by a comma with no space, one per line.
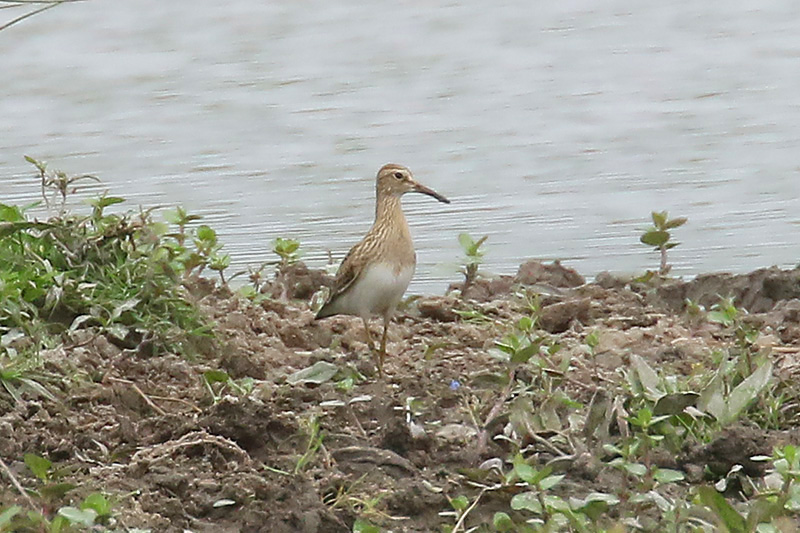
[555,128]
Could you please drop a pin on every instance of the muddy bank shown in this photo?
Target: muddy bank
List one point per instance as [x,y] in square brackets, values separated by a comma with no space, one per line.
[265,449]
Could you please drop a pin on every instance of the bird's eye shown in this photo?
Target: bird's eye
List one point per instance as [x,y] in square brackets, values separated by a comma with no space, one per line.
[398,175]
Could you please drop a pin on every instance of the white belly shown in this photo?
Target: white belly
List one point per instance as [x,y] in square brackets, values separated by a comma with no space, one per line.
[377,291]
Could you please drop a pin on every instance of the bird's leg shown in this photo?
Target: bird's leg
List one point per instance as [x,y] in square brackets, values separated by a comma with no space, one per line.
[369,335]
[386,319]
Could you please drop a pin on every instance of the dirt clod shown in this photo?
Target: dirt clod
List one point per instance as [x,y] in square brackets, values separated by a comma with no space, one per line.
[313,457]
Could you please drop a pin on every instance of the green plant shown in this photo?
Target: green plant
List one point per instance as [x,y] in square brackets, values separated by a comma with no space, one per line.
[473,316]
[473,257]
[362,501]
[658,236]
[525,340]
[313,430]
[542,509]
[365,526]
[218,382]
[20,373]
[771,510]
[726,312]
[119,274]
[57,183]
[182,219]
[206,250]
[288,250]
[46,512]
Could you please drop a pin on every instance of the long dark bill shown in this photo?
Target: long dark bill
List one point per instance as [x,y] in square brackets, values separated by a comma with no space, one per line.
[430,192]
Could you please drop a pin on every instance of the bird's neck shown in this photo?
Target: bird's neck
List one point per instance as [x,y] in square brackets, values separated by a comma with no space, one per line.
[388,207]
[389,214]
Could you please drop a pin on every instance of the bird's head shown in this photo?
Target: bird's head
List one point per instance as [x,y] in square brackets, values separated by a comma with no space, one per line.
[396,180]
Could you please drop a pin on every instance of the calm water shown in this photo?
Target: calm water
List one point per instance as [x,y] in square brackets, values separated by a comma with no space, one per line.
[555,129]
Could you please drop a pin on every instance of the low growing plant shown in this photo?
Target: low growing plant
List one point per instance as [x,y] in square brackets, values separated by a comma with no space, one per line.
[118,274]
[473,257]
[288,250]
[658,236]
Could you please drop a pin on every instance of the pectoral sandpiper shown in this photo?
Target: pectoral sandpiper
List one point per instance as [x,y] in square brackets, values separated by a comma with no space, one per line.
[376,272]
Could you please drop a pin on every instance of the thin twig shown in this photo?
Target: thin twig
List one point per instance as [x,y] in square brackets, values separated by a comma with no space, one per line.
[16,483]
[785,349]
[357,422]
[179,400]
[543,441]
[16,3]
[483,436]
[463,517]
[159,452]
[30,14]
[146,399]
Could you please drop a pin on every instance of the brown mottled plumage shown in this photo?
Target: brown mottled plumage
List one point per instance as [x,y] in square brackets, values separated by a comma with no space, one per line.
[376,272]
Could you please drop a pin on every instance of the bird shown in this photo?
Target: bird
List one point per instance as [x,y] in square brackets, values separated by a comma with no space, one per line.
[375,273]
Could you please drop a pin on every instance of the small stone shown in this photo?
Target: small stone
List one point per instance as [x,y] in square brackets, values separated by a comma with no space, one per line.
[456,433]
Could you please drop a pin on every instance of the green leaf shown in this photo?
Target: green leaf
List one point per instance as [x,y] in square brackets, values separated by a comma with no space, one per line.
[104,201]
[285,248]
[666,475]
[647,377]
[40,165]
[475,250]
[364,526]
[655,237]
[84,517]
[675,222]
[459,503]
[465,241]
[636,469]
[712,397]
[719,317]
[319,372]
[9,228]
[127,305]
[526,472]
[179,217]
[592,340]
[523,355]
[609,499]
[7,515]
[502,522]
[727,515]
[746,392]
[98,502]
[56,490]
[550,481]
[11,213]
[659,219]
[216,376]
[220,262]
[526,501]
[205,233]
[674,403]
[37,387]
[38,465]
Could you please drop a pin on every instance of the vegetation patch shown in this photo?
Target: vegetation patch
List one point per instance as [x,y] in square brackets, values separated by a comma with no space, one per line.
[139,392]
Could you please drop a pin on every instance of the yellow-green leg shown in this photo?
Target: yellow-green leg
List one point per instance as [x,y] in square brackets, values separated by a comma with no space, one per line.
[370,343]
[382,353]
